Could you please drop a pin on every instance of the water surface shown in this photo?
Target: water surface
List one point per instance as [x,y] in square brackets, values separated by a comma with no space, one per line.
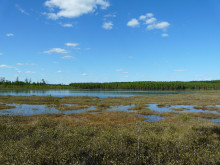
[63,93]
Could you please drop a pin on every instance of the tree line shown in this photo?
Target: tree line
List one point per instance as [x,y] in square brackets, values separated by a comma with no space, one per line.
[150,85]
[141,85]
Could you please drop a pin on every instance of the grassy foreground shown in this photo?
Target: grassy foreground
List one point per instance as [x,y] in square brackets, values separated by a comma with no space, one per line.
[107,138]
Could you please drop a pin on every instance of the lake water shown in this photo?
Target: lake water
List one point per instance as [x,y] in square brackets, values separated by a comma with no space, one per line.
[63,93]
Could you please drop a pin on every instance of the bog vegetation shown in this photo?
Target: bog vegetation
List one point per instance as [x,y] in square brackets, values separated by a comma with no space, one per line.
[145,85]
[107,138]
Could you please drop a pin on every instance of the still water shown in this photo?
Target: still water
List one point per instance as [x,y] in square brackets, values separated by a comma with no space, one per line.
[63,93]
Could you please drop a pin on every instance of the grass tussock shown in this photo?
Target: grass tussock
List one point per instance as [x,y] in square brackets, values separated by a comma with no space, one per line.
[106,138]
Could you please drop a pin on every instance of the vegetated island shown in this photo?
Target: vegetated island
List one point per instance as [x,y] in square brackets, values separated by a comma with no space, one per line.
[139,85]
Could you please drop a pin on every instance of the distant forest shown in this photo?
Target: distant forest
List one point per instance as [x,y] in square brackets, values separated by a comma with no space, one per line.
[143,85]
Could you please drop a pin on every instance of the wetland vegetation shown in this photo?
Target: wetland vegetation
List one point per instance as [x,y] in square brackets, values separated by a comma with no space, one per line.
[107,135]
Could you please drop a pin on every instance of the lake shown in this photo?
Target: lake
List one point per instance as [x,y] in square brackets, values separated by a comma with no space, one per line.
[63,93]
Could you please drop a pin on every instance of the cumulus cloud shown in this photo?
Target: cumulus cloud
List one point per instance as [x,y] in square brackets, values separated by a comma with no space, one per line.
[74,8]
[133,23]
[144,17]
[9,34]
[151,21]
[108,25]
[56,50]
[160,25]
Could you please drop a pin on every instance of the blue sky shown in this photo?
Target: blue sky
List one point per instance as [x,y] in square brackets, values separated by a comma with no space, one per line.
[64,41]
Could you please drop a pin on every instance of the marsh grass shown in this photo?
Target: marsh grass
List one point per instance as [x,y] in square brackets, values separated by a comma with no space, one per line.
[107,138]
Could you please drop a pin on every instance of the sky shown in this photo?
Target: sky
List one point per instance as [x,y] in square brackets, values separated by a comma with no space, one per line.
[65,41]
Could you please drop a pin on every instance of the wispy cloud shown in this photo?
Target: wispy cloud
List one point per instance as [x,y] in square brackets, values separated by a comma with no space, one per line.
[67,25]
[9,34]
[68,57]
[110,15]
[133,23]
[164,35]
[56,50]
[72,44]
[84,74]
[21,10]
[30,72]
[1,53]
[179,70]
[28,64]
[73,8]
[59,71]
[108,25]
[7,66]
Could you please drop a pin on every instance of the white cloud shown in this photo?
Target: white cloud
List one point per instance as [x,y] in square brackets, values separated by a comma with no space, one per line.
[108,25]
[19,71]
[6,66]
[74,8]
[1,53]
[68,57]
[164,35]
[133,23]
[151,20]
[56,50]
[67,25]
[161,25]
[144,17]
[59,71]
[21,10]
[30,72]
[84,74]
[9,34]
[72,44]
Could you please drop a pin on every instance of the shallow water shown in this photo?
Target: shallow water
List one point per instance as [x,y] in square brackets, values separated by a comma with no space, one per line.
[29,110]
[63,93]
